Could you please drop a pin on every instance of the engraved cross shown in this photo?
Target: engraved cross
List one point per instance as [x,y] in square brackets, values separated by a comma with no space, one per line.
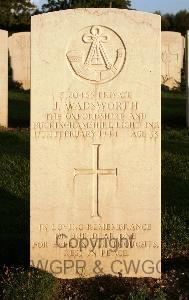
[95,171]
[167,56]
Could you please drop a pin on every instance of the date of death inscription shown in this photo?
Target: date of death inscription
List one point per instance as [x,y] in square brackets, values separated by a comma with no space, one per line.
[90,115]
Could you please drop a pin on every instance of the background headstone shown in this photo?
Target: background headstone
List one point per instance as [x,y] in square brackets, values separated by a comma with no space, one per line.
[187,79]
[183,49]
[95,142]
[19,50]
[3,78]
[172,56]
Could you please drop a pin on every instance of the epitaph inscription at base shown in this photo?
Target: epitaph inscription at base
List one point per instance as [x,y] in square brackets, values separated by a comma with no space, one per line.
[95,143]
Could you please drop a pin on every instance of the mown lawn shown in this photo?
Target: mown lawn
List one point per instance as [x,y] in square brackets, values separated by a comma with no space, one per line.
[19,108]
[19,282]
[175,176]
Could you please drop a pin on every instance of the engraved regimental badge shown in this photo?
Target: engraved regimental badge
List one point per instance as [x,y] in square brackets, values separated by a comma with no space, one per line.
[97,54]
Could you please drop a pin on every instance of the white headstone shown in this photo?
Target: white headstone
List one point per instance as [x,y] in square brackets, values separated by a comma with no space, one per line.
[19,50]
[172,58]
[3,78]
[95,143]
[187,79]
[183,51]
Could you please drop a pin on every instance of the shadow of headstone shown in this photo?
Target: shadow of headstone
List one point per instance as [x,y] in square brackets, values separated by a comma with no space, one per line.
[14,229]
[14,198]
[19,103]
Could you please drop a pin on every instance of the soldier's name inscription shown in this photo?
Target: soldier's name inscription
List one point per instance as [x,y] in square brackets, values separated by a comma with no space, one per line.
[95,142]
[93,114]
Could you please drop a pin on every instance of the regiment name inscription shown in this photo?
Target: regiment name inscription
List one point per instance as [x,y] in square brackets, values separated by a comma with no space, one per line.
[95,143]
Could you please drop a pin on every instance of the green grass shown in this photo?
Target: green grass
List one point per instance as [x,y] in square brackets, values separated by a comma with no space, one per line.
[14,215]
[173,109]
[14,196]
[175,176]
[28,284]
[19,108]
[175,192]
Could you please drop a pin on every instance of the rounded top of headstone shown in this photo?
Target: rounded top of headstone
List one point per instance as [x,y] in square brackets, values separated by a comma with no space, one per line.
[98,12]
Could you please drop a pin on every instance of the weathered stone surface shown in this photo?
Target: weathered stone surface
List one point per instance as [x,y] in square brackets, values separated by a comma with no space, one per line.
[3,78]
[172,58]
[19,50]
[95,142]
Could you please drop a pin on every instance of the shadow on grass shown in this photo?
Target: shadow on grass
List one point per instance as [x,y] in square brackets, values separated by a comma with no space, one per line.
[14,197]
[14,229]
[14,142]
[173,109]
[175,170]
[175,194]
[19,108]
[176,263]
[175,147]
